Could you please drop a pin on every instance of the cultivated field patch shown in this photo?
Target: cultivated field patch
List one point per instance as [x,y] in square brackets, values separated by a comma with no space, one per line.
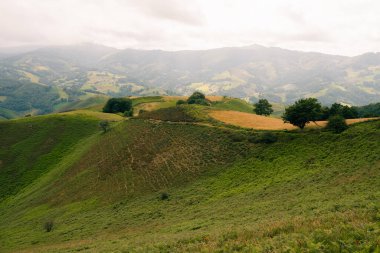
[259,122]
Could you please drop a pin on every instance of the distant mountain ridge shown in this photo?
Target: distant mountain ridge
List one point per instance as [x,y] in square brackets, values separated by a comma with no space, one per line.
[280,75]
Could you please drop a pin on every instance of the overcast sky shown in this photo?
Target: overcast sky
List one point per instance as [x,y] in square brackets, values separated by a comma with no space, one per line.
[347,27]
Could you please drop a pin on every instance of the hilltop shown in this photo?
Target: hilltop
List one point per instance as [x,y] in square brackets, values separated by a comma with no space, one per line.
[175,179]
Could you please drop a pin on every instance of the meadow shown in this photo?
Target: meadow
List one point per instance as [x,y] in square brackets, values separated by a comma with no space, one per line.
[161,183]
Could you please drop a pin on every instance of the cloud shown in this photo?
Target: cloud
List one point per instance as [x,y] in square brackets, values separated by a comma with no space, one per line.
[178,11]
[341,26]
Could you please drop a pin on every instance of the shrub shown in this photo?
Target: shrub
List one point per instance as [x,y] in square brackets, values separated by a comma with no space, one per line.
[48,226]
[104,125]
[128,113]
[238,137]
[337,124]
[181,102]
[142,111]
[164,196]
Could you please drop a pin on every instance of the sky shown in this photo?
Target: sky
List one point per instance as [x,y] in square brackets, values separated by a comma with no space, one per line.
[342,27]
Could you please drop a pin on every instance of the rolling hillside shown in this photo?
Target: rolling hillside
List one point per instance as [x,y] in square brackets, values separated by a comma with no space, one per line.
[249,72]
[150,185]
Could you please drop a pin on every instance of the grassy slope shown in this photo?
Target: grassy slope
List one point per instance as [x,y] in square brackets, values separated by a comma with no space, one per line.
[154,103]
[233,104]
[182,113]
[313,190]
[95,102]
[30,147]
[7,114]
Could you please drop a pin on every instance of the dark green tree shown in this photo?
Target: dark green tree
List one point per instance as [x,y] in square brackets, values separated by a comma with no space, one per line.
[325,113]
[371,110]
[198,98]
[302,112]
[343,110]
[115,105]
[337,124]
[350,112]
[263,107]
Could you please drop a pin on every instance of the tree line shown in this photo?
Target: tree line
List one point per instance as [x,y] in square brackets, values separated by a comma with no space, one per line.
[307,110]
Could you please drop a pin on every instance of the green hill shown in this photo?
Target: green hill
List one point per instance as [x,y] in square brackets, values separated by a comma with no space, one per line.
[157,186]
[30,147]
[233,104]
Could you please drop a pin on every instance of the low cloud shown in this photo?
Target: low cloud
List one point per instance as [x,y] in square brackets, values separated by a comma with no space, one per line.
[346,27]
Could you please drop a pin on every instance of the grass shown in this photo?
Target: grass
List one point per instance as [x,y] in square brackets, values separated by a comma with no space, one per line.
[141,100]
[182,113]
[310,191]
[95,114]
[233,104]
[93,102]
[218,102]
[30,147]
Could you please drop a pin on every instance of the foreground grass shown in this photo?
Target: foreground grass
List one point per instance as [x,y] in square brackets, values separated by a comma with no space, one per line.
[308,192]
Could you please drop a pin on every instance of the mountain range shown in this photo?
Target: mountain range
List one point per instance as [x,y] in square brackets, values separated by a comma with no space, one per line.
[77,72]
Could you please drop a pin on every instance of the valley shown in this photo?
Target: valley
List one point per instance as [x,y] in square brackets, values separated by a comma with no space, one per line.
[66,76]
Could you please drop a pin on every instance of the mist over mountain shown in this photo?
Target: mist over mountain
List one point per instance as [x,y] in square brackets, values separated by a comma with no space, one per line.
[251,72]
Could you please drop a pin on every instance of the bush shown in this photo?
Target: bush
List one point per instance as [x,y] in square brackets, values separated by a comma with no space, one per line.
[115,105]
[48,226]
[142,111]
[164,196]
[337,124]
[238,137]
[181,102]
[128,113]
[104,125]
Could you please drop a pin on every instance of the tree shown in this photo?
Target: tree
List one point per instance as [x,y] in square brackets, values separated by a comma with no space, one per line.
[325,113]
[350,112]
[198,98]
[371,110]
[302,112]
[337,124]
[115,105]
[343,110]
[263,107]
[104,125]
